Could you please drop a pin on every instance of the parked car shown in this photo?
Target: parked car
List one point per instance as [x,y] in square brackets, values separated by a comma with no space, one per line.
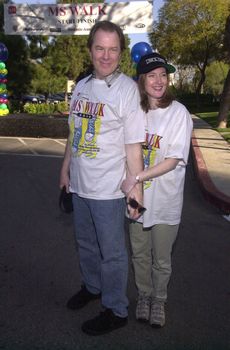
[33,99]
[41,99]
[58,97]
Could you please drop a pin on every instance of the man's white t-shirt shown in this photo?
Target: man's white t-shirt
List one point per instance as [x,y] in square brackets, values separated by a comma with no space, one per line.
[102,121]
[168,135]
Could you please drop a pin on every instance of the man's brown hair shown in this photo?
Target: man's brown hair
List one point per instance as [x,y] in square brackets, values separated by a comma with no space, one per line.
[107,26]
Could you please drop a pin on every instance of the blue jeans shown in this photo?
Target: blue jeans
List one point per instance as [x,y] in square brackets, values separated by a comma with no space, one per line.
[100,235]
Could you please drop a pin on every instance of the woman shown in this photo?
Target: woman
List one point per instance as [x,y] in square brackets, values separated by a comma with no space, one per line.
[165,152]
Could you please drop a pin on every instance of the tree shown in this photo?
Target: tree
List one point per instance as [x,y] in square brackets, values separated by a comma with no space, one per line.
[189,32]
[216,74]
[66,58]
[38,45]
[20,70]
[225,98]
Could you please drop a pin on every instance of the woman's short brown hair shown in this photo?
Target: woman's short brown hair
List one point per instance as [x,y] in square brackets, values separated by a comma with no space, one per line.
[164,102]
[107,26]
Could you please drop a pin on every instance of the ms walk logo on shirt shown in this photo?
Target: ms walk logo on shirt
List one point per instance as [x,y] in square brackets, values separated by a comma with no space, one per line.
[85,127]
[149,147]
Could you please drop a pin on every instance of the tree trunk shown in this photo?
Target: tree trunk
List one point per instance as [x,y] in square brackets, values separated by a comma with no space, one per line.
[200,85]
[224,104]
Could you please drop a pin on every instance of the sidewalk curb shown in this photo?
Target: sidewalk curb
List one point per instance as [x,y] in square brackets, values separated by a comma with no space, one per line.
[211,193]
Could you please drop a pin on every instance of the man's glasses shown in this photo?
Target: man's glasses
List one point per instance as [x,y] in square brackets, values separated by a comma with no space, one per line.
[135,205]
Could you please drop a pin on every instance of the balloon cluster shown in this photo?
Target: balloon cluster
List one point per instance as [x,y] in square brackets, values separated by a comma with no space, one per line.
[3,80]
[140,49]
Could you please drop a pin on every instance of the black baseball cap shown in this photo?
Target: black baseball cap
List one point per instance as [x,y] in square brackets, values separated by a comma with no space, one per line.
[151,61]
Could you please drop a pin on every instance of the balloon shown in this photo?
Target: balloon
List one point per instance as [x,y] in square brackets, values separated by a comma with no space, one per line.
[3,71]
[2,65]
[140,49]
[4,112]
[3,52]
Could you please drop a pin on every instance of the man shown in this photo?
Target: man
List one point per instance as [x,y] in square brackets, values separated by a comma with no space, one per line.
[106,128]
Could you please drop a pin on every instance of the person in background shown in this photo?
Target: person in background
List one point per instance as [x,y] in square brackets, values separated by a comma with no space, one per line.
[106,131]
[168,133]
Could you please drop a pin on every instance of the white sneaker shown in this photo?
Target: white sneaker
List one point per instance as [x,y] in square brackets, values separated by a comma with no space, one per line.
[157,314]
[143,308]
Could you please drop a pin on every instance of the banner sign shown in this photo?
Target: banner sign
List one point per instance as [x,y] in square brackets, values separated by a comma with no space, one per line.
[76,19]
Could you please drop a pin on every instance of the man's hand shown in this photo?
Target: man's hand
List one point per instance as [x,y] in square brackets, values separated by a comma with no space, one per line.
[64,173]
[128,184]
[135,193]
[64,180]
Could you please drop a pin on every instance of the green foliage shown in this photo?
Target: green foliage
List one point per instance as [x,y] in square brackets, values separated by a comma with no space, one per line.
[215,76]
[190,32]
[20,69]
[61,107]
[207,102]
[67,57]
[45,108]
[189,29]
[29,108]
[71,55]
[15,106]
[227,39]
[45,81]
[225,96]
[126,64]
[38,45]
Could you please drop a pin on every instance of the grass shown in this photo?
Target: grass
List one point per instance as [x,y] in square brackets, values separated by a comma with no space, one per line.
[211,119]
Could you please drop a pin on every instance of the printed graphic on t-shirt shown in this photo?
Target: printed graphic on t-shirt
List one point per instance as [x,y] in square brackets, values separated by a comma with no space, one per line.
[150,146]
[85,127]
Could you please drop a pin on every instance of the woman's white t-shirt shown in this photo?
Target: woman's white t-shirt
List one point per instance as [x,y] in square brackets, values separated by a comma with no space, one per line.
[168,135]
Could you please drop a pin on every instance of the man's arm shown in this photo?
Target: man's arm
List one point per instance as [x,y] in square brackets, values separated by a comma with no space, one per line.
[64,174]
[134,167]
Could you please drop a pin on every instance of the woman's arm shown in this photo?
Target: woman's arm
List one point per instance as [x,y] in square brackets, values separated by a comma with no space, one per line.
[159,169]
[162,168]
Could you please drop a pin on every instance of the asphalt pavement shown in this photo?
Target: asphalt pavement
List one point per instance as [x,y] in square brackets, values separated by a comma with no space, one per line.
[39,265]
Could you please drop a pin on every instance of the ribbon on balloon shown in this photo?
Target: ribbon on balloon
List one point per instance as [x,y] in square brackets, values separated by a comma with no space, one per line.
[4,110]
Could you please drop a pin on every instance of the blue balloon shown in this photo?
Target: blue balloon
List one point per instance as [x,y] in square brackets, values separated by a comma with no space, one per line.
[140,49]
[3,95]
[3,52]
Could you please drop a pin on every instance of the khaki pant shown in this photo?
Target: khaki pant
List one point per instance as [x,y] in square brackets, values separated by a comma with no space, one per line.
[151,257]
